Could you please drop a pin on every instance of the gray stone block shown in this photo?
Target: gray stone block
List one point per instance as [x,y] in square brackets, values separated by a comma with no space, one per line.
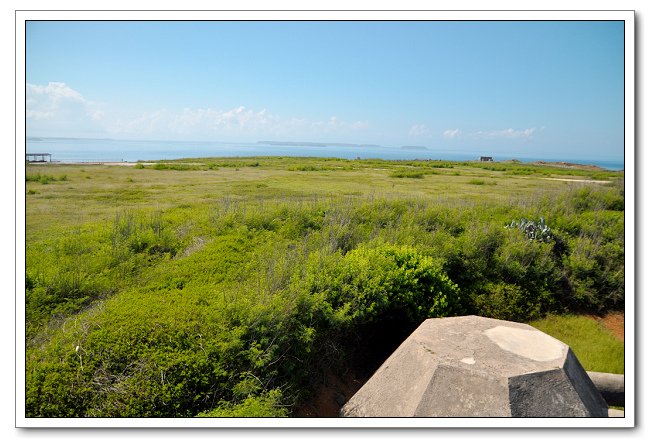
[472,366]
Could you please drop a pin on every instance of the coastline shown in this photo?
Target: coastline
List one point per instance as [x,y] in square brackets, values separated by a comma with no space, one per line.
[555,164]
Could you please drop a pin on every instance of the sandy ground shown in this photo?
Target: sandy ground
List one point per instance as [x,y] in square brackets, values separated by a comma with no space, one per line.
[585,181]
[101,163]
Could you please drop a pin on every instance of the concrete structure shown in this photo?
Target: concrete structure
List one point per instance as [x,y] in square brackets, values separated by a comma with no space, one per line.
[477,367]
[611,386]
[486,159]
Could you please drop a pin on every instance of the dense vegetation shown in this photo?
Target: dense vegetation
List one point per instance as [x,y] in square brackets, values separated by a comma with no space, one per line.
[227,287]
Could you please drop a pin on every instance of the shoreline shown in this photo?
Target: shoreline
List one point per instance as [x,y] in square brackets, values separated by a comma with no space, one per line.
[554,164]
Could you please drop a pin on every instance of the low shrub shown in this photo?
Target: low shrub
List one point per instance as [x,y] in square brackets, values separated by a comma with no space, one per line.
[265,405]
[411,173]
[507,301]
[45,178]
[177,166]
[370,283]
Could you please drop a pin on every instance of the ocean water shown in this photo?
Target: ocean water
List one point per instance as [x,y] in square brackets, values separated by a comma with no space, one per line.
[99,150]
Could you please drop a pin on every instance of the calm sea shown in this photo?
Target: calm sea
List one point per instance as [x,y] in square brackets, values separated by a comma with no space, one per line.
[94,150]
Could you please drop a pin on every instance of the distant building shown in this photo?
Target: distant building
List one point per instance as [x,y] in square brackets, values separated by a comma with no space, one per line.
[486,159]
[38,157]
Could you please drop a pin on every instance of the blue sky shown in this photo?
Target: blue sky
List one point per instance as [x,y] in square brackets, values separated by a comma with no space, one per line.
[529,89]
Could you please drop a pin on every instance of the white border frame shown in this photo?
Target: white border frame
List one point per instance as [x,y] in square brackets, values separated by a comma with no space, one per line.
[628,421]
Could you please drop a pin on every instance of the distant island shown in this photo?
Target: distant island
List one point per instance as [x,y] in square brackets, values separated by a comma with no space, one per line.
[317,144]
[414,147]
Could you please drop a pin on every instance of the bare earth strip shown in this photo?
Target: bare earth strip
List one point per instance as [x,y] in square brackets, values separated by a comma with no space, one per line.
[588,181]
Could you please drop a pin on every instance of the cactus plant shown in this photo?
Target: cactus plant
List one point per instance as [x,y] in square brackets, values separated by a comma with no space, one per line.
[537,231]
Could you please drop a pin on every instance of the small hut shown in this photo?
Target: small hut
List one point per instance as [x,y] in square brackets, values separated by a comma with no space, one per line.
[38,157]
[486,159]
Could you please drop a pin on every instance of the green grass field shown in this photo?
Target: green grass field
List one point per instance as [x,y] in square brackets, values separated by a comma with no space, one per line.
[596,348]
[230,287]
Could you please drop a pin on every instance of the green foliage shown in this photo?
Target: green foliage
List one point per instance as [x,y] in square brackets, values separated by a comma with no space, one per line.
[481,182]
[408,174]
[44,178]
[507,301]
[412,173]
[235,294]
[305,168]
[369,283]
[267,405]
[177,166]
[86,265]
[587,199]
[144,233]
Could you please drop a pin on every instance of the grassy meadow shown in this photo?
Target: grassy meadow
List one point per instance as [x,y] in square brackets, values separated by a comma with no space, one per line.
[232,287]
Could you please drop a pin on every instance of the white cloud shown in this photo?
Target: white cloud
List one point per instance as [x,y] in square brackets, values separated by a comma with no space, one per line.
[46,102]
[239,122]
[451,133]
[325,127]
[57,108]
[508,133]
[146,123]
[419,130]
[360,125]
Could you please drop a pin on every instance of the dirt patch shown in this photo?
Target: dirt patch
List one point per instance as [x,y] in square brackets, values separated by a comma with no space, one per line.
[614,322]
[330,396]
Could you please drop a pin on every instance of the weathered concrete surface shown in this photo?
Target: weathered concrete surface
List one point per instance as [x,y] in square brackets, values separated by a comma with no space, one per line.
[477,367]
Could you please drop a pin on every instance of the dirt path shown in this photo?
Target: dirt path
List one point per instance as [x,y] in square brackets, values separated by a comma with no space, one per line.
[563,179]
[586,181]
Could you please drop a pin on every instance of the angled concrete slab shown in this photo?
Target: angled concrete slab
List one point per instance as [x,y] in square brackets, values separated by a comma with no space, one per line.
[472,366]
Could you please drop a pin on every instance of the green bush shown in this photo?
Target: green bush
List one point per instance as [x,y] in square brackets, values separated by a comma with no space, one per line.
[266,405]
[305,168]
[507,301]
[369,283]
[177,166]
[412,173]
[44,178]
